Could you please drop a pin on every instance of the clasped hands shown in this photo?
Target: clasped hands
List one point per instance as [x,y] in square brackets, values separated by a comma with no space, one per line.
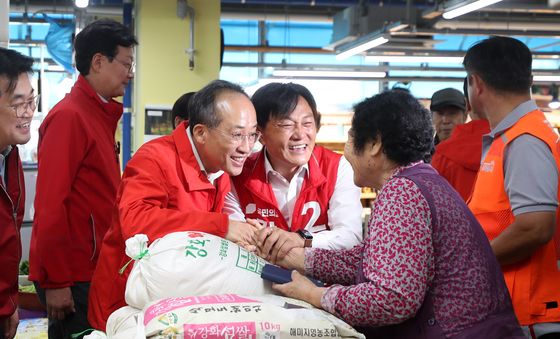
[270,243]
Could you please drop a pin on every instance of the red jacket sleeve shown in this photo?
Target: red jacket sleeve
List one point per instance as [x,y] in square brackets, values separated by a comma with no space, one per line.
[148,203]
[62,146]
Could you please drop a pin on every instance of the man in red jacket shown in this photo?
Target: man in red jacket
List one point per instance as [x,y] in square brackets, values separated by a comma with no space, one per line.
[457,159]
[78,175]
[178,183]
[17,105]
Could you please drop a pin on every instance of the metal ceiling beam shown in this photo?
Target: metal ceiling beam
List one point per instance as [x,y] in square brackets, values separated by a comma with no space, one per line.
[378,51]
[363,68]
[477,32]
[387,78]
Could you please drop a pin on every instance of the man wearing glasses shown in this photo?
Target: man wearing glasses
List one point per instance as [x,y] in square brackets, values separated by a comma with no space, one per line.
[178,183]
[78,176]
[17,105]
[303,193]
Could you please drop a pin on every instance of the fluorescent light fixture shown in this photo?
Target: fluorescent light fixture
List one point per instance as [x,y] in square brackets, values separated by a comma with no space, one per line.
[327,74]
[414,58]
[467,7]
[81,3]
[545,78]
[398,27]
[380,40]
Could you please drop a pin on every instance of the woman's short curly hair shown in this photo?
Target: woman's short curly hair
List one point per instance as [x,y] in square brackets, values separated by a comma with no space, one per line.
[403,124]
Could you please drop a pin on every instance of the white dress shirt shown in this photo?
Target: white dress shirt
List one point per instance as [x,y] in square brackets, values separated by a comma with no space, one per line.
[345,207]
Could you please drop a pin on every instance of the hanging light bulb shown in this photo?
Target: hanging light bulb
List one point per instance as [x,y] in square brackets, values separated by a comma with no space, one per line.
[554,103]
[81,3]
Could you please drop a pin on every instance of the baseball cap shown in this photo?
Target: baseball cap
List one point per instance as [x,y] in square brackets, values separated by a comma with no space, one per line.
[448,97]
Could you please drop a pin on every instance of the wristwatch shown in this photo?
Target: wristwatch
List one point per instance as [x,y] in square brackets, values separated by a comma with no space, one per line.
[306,236]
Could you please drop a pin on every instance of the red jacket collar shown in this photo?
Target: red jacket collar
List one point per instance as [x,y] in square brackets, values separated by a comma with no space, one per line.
[112,107]
[465,144]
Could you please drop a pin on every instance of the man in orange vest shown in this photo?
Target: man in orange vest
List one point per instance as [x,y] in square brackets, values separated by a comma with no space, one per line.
[515,197]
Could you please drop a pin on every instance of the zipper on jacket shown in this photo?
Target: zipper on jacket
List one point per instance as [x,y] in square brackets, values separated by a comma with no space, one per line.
[94,236]
[14,211]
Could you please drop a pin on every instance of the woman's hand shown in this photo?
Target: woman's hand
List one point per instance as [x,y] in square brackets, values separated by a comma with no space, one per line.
[301,288]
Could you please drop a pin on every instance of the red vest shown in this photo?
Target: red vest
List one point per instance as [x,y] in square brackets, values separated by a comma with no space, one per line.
[258,202]
[534,283]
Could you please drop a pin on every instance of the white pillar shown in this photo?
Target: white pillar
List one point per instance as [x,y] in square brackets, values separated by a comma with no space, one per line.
[4,23]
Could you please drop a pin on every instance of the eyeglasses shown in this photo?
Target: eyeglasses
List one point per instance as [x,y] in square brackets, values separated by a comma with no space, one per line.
[130,66]
[23,107]
[238,138]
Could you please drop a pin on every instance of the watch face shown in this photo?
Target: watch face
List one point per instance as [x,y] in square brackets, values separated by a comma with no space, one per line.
[305,234]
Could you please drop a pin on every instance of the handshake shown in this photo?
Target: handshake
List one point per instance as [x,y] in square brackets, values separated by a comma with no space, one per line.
[270,243]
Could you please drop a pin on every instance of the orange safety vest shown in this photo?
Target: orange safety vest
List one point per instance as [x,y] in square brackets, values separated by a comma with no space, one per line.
[534,283]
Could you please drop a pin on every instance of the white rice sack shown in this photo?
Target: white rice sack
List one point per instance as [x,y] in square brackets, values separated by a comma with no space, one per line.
[122,323]
[234,316]
[190,263]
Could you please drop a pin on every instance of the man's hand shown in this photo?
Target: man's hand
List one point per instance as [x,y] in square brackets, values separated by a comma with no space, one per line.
[59,302]
[274,244]
[243,233]
[9,325]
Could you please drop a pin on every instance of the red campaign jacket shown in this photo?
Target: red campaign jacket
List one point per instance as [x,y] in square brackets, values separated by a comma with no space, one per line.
[78,177]
[258,202]
[12,205]
[163,190]
[457,159]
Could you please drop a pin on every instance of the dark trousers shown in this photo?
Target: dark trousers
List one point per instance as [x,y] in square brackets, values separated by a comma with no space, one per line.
[73,323]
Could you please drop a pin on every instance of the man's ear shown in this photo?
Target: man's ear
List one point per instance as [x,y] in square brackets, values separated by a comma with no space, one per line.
[261,139]
[96,62]
[200,133]
[477,84]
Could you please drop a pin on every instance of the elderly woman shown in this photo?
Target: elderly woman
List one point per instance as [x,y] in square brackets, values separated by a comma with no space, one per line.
[425,269]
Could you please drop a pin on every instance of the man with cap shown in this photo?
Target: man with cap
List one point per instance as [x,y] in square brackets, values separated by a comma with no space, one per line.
[449,109]
[457,159]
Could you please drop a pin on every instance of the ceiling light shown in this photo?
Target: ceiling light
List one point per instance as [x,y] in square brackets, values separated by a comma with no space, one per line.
[363,45]
[327,74]
[467,7]
[414,58]
[81,3]
[545,78]
[554,104]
